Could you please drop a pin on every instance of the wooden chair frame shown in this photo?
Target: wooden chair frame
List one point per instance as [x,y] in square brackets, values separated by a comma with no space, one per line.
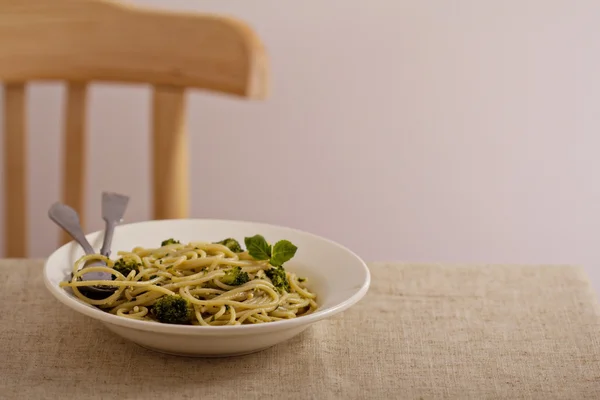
[82,41]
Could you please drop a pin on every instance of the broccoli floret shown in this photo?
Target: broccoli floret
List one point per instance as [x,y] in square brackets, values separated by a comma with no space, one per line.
[232,244]
[169,241]
[235,277]
[125,266]
[173,309]
[278,278]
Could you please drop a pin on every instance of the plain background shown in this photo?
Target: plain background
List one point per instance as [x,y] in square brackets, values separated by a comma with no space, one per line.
[422,130]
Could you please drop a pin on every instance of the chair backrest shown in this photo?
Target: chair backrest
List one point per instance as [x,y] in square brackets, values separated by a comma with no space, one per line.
[81,41]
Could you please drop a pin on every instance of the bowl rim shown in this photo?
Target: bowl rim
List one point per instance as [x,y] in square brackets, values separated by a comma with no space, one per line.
[90,311]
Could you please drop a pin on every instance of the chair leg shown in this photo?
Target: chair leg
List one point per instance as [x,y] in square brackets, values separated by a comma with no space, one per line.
[15,171]
[170,154]
[74,158]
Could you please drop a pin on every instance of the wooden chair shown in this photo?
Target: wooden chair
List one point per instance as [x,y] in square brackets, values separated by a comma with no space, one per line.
[82,41]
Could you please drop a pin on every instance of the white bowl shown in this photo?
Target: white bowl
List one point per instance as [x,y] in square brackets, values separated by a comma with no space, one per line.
[337,275]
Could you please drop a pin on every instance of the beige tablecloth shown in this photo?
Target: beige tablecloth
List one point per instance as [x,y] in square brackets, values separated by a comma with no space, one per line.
[422,332]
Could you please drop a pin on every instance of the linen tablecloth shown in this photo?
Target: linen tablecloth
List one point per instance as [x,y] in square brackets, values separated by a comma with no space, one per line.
[422,332]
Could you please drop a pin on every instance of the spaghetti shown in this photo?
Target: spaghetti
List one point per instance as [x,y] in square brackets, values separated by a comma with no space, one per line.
[201,283]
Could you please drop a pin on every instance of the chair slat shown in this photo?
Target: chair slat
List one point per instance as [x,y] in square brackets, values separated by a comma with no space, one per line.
[170,153]
[74,157]
[15,171]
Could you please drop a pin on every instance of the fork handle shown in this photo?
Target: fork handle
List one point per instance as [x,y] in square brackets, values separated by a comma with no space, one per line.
[108,235]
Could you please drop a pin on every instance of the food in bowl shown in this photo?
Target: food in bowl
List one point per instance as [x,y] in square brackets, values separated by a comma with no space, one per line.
[200,283]
[338,276]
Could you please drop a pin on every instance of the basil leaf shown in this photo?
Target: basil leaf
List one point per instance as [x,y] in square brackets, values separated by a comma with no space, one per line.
[283,251]
[258,247]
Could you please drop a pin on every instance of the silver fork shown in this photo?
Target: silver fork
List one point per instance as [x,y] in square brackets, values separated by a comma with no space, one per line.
[113,209]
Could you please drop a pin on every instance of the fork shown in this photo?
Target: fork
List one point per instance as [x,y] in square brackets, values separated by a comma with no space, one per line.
[113,209]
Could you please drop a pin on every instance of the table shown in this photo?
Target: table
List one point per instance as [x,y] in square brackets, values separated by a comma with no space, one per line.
[422,332]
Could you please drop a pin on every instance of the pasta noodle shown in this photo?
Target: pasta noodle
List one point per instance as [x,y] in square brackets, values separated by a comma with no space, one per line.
[219,286]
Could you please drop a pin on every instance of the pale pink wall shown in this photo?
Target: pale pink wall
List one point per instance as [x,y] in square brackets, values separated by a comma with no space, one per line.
[407,130]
